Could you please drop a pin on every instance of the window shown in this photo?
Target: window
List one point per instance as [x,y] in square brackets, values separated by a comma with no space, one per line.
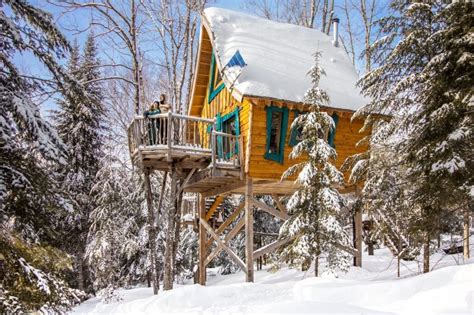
[332,132]
[277,121]
[215,82]
[295,134]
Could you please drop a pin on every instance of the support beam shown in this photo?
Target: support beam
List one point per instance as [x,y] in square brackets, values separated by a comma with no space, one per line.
[270,247]
[224,188]
[222,244]
[227,239]
[280,205]
[249,229]
[227,222]
[181,187]
[268,209]
[155,271]
[202,241]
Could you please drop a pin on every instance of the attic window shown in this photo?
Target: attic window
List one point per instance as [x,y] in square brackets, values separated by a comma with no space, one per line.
[215,82]
[277,121]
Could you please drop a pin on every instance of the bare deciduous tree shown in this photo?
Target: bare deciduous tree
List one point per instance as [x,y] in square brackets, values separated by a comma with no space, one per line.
[175,22]
[299,12]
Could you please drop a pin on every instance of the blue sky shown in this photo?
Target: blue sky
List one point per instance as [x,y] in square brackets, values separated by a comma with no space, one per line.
[79,19]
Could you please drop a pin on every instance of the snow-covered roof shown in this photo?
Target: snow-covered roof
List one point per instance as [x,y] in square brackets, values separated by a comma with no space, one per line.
[279,56]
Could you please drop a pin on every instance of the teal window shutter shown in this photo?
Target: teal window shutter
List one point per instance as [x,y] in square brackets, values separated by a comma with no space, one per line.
[213,89]
[332,132]
[219,138]
[277,124]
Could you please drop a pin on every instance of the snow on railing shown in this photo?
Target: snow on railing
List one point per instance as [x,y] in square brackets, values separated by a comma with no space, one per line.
[174,132]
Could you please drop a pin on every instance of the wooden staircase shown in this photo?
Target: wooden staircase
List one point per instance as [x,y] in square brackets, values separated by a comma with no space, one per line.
[213,207]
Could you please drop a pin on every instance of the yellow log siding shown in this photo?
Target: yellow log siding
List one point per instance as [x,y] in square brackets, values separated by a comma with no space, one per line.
[347,135]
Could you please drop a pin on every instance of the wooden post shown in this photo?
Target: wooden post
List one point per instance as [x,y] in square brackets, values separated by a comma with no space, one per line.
[152,234]
[466,234]
[358,237]
[249,229]
[202,241]
[168,259]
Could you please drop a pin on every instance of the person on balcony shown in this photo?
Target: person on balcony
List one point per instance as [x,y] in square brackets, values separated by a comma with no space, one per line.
[153,124]
[164,108]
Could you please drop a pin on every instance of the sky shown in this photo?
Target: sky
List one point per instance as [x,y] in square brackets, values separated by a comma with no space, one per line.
[69,23]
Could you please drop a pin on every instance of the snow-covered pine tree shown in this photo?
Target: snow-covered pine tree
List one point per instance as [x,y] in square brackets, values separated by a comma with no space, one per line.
[315,226]
[80,123]
[116,240]
[425,80]
[31,206]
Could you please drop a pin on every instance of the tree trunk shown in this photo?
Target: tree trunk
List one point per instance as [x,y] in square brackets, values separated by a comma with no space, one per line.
[168,267]
[80,271]
[466,234]
[316,266]
[399,256]
[370,243]
[426,254]
[177,229]
[152,234]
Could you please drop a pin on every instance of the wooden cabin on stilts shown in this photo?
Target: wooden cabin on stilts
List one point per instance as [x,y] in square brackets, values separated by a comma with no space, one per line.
[249,82]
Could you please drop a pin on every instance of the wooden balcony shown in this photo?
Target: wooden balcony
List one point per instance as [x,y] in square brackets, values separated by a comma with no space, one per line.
[186,144]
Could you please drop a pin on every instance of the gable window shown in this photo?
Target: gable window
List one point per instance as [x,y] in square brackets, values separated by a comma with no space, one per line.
[332,131]
[277,121]
[215,83]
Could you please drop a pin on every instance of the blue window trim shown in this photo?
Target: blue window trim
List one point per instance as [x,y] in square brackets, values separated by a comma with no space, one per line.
[332,132]
[219,122]
[213,89]
[276,156]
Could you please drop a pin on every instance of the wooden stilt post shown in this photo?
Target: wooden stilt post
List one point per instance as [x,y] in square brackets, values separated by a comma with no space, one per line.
[466,234]
[249,229]
[202,241]
[152,234]
[168,267]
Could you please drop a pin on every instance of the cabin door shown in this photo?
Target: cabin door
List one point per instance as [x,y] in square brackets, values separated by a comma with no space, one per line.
[228,147]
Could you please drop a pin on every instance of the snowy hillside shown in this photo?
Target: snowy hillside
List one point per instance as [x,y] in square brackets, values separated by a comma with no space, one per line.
[373,289]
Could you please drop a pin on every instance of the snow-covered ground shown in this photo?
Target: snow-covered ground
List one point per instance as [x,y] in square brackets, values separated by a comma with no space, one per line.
[372,289]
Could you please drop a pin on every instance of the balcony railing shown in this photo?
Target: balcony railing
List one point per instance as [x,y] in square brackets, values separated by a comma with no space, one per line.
[173,133]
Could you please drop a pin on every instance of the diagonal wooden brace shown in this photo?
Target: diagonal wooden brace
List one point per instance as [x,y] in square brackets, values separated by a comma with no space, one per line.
[227,222]
[227,239]
[220,243]
[270,247]
[268,209]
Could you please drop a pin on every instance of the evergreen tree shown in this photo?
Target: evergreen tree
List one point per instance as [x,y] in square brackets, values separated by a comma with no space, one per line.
[31,205]
[116,243]
[424,82]
[80,124]
[315,225]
